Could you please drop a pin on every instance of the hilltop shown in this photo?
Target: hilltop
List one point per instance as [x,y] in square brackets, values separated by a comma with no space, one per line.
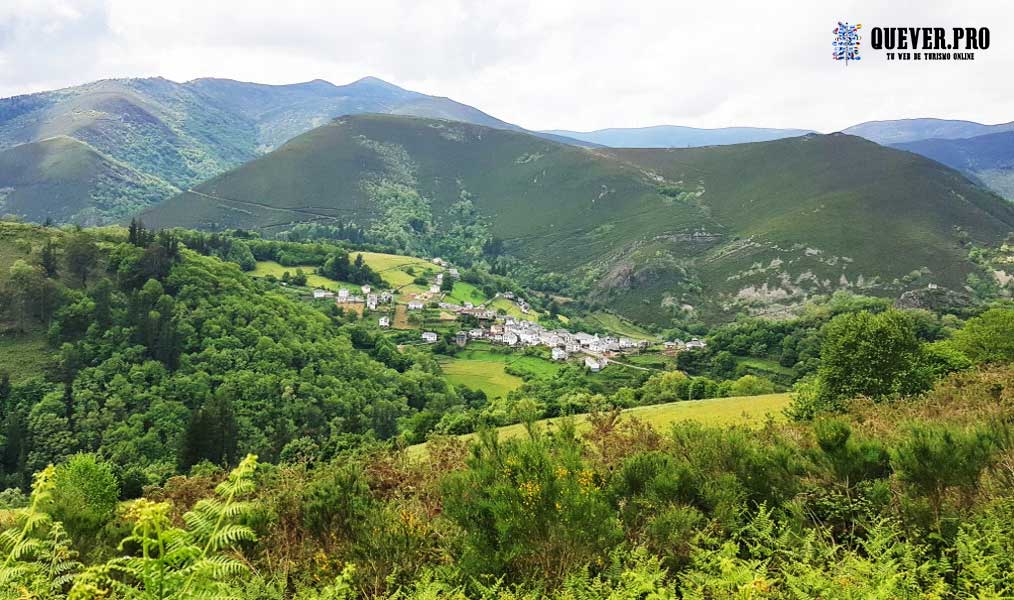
[654,233]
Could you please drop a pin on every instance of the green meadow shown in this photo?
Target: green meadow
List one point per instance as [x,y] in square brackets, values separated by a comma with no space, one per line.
[751,411]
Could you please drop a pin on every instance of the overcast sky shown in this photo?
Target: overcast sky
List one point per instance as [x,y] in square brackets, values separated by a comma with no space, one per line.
[581,64]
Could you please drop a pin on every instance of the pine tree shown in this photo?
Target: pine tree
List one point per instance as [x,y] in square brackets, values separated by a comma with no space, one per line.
[48,259]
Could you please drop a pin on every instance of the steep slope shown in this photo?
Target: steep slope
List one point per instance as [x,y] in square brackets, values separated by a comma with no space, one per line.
[819,213]
[674,136]
[651,232]
[987,158]
[185,133]
[156,126]
[66,180]
[411,176]
[909,130]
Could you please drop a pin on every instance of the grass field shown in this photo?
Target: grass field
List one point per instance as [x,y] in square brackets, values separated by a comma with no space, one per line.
[478,368]
[511,309]
[740,410]
[465,292]
[621,326]
[270,267]
[486,375]
[393,267]
[24,355]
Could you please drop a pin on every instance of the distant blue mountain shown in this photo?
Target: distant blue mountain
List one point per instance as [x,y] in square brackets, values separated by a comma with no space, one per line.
[675,136]
[901,131]
[987,158]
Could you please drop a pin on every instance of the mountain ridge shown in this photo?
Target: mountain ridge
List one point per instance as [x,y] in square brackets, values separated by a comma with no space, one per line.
[185,133]
[677,136]
[652,233]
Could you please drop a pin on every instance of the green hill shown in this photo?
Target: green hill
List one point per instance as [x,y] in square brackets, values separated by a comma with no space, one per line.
[652,232]
[66,180]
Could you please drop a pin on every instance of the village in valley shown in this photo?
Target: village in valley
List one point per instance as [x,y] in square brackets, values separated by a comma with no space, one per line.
[484,322]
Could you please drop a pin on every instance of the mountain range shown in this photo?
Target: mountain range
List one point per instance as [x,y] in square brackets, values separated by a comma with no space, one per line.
[179,134]
[648,232]
[715,228]
[674,136]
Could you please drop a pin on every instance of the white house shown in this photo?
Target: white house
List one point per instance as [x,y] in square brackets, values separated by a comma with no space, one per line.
[429,337]
[594,364]
[384,322]
[434,289]
[454,273]
[343,294]
[528,338]
[318,293]
[511,339]
[415,305]
[366,289]
[440,278]
[695,344]
[371,301]
[559,354]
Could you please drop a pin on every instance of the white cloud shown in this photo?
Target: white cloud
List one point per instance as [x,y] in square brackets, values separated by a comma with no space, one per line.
[561,64]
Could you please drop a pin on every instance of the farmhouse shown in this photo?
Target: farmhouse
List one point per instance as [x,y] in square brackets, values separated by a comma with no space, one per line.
[429,337]
[366,289]
[595,364]
[319,293]
[384,322]
[415,305]
[461,338]
[559,354]
[434,289]
[343,295]
[371,301]
[696,344]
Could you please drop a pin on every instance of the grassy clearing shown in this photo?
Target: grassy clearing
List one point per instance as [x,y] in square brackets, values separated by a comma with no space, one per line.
[621,326]
[25,355]
[752,411]
[465,292]
[488,376]
[763,364]
[511,309]
[478,368]
[393,268]
[270,267]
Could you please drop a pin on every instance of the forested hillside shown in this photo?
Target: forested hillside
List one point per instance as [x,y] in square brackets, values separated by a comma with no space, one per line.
[654,234]
[175,135]
[163,365]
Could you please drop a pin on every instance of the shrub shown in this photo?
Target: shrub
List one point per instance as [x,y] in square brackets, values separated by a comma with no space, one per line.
[85,493]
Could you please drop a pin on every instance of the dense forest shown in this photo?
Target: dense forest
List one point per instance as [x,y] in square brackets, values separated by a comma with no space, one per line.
[196,432]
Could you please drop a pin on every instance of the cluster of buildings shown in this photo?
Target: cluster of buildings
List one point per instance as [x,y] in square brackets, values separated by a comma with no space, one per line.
[344,296]
[676,346]
[561,342]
